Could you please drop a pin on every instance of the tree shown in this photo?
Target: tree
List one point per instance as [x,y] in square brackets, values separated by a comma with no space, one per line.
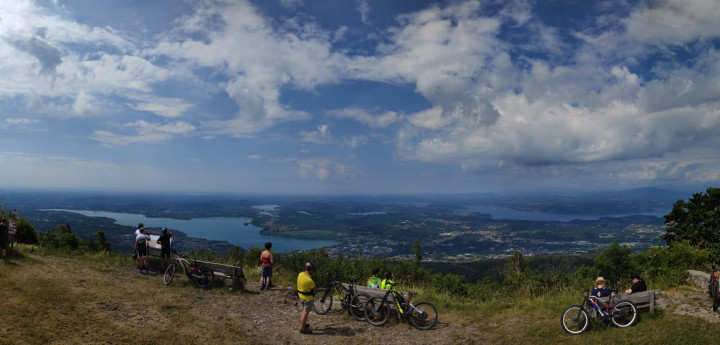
[516,268]
[418,254]
[26,232]
[697,221]
[614,262]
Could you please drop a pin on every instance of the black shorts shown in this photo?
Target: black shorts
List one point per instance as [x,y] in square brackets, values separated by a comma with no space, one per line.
[142,250]
[4,240]
[165,253]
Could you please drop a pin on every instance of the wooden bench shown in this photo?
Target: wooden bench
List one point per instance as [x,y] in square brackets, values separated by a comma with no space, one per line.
[641,300]
[234,273]
[372,292]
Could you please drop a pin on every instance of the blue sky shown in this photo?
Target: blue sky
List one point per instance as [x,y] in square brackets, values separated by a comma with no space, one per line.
[359,96]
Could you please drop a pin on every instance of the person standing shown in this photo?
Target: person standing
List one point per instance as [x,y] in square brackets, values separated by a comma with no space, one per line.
[638,285]
[141,248]
[3,238]
[266,258]
[306,291]
[165,249]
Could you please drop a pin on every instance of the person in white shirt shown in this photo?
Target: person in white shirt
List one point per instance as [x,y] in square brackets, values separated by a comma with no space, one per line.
[142,250]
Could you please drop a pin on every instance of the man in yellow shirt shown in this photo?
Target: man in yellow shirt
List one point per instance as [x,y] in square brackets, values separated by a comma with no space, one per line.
[306,290]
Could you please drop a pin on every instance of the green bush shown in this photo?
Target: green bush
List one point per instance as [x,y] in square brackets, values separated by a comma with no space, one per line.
[26,232]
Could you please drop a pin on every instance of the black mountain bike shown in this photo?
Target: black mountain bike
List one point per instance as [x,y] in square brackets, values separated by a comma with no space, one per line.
[575,319]
[421,315]
[201,276]
[713,288]
[348,298]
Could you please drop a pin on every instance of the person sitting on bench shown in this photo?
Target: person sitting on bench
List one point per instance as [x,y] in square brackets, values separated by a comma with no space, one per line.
[638,285]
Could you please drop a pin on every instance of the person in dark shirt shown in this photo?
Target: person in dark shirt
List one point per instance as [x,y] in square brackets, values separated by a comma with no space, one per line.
[638,285]
[3,238]
[600,289]
[165,251]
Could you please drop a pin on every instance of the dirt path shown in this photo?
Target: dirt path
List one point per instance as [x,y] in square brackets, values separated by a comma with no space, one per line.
[274,316]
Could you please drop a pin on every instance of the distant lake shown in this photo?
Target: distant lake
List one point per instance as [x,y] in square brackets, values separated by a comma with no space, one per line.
[236,231]
[511,214]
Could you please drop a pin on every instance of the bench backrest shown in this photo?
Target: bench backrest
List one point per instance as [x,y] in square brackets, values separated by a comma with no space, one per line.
[232,271]
[641,300]
[372,292]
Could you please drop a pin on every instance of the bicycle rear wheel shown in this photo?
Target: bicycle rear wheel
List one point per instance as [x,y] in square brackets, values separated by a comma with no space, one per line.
[377,312]
[423,316]
[357,306]
[623,314]
[322,302]
[169,274]
[575,320]
[202,277]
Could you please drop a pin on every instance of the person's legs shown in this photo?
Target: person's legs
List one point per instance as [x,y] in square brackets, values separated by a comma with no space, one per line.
[307,307]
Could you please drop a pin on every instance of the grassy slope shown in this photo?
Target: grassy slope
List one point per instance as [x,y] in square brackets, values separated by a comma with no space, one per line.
[91,299]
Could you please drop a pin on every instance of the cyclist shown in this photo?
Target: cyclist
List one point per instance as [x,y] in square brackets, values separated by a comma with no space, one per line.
[3,238]
[306,290]
[386,283]
[374,281]
[600,290]
[638,284]
[165,250]
[141,247]
[266,258]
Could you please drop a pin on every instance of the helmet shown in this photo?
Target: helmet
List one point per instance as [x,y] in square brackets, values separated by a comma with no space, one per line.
[309,266]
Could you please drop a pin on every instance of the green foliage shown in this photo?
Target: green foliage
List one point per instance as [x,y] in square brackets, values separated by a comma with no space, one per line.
[417,246]
[666,266]
[61,237]
[516,269]
[614,263]
[252,257]
[235,255]
[696,221]
[26,232]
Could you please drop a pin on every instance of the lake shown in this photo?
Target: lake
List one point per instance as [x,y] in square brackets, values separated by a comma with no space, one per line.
[236,231]
[511,214]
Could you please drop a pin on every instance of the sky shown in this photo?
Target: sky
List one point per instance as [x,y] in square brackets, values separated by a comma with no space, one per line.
[359,96]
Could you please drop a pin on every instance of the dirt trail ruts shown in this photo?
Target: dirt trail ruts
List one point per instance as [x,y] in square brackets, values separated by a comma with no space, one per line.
[274,317]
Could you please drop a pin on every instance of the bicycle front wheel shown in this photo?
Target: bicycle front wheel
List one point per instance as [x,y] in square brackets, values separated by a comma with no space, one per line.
[376,312]
[203,277]
[575,320]
[623,314]
[169,274]
[322,302]
[357,306]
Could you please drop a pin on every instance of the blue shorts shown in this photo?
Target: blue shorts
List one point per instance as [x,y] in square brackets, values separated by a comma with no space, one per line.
[267,272]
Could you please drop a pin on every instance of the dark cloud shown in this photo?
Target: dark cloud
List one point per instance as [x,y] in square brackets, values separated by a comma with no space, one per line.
[47,54]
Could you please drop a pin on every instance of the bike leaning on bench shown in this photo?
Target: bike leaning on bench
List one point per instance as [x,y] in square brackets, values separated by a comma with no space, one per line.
[421,315]
[201,276]
[347,297]
[576,319]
